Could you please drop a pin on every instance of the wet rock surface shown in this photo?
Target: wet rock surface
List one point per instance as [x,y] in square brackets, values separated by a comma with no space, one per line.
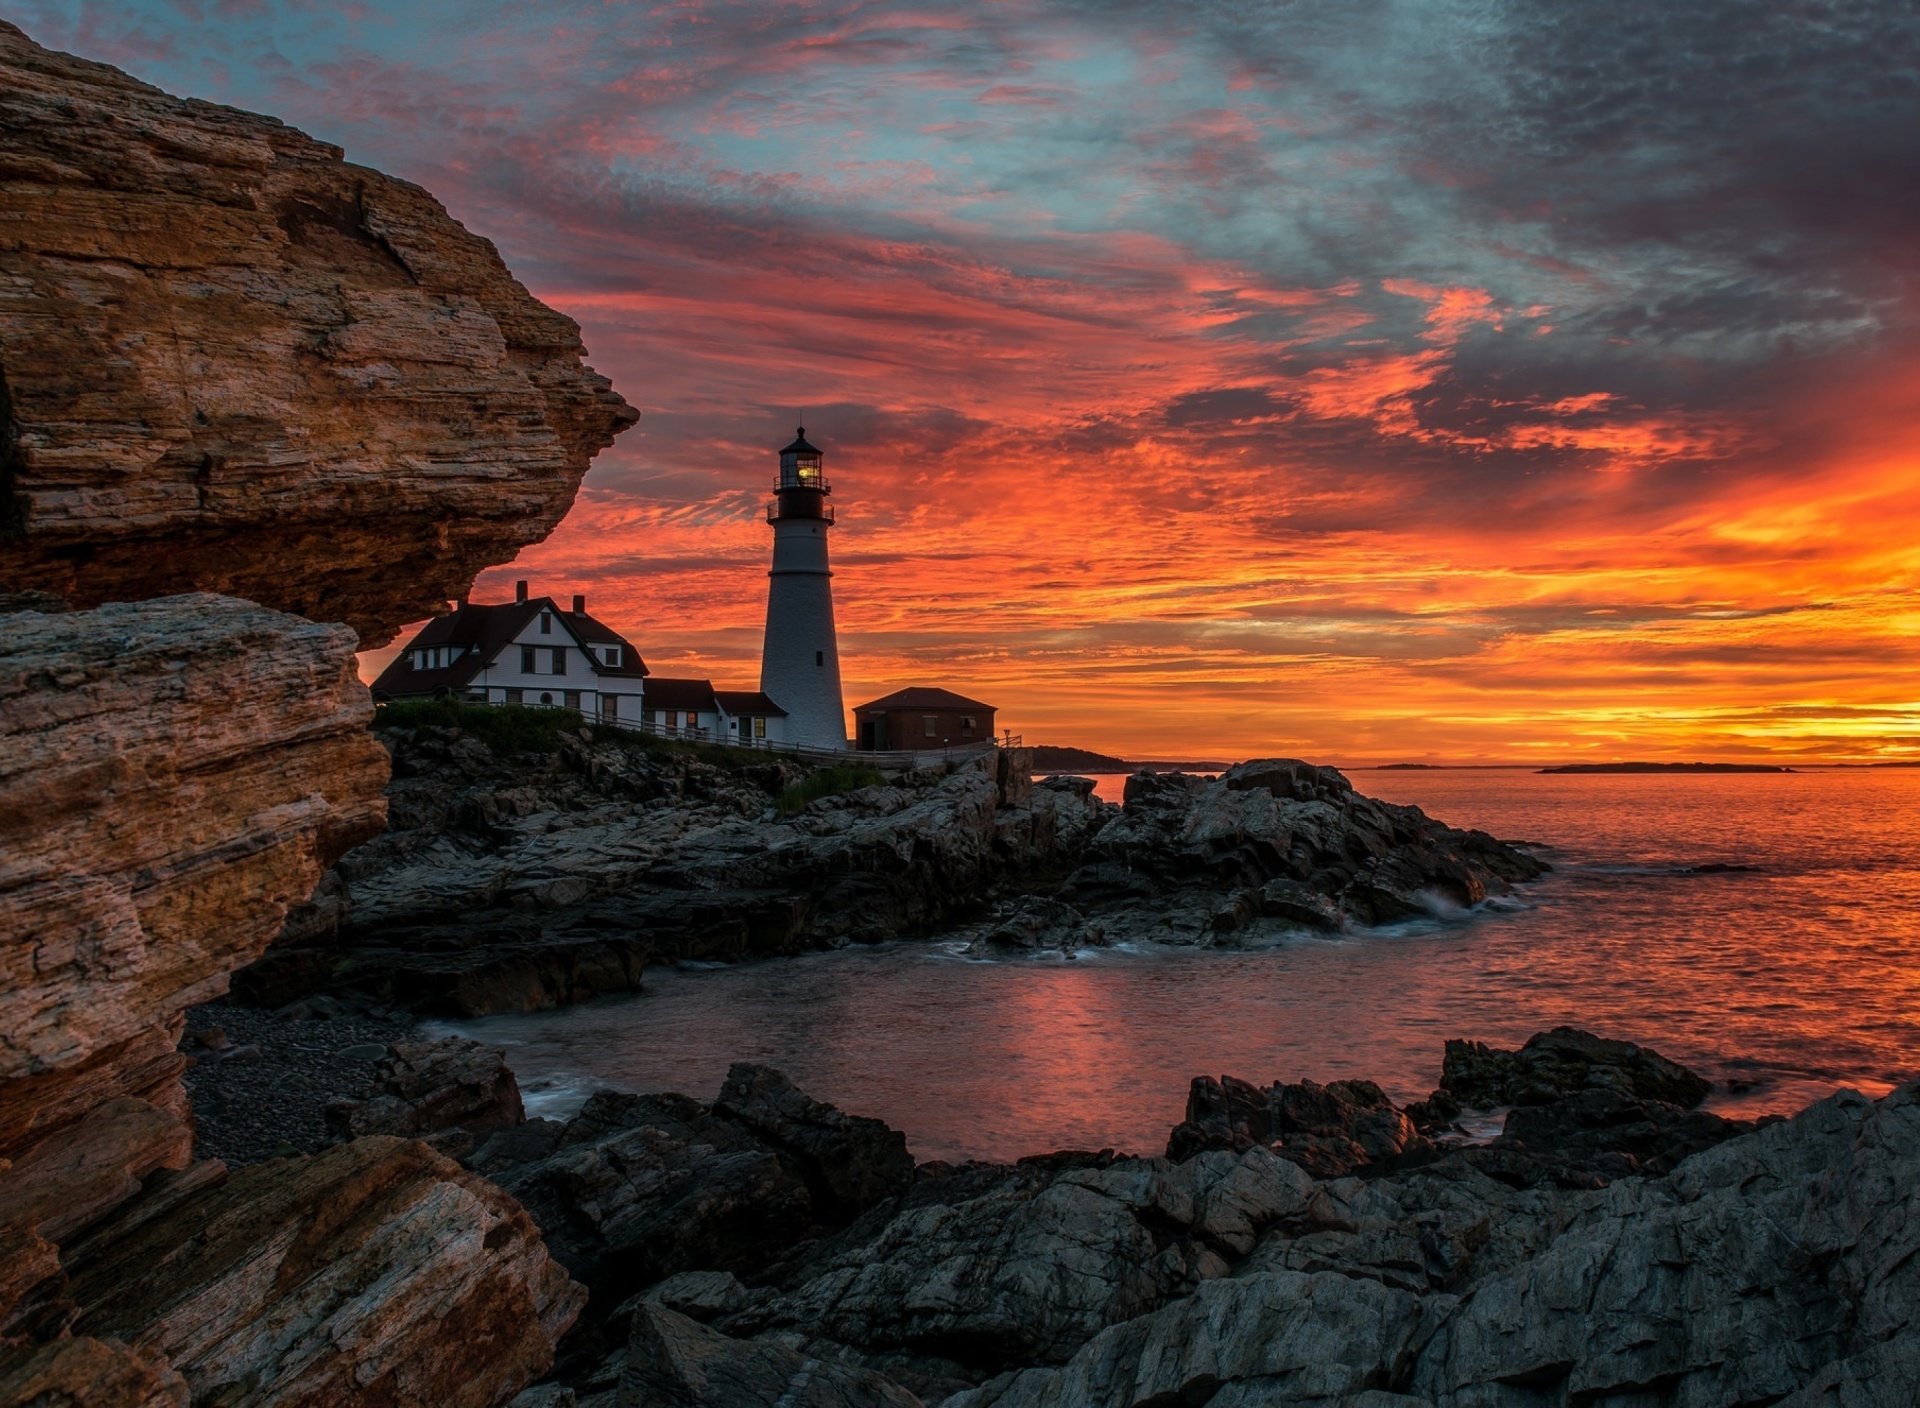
[1559,1063]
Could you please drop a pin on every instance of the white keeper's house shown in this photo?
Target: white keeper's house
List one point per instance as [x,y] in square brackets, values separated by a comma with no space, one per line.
[529,651]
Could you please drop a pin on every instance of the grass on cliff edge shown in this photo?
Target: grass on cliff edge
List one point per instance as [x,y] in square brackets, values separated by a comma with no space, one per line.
[827,782]
[518,728]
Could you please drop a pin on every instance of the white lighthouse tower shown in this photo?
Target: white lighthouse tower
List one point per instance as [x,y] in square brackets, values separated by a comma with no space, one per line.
[799,662]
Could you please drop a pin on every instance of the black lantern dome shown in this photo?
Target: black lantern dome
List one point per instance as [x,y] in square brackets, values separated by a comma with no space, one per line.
[802,488]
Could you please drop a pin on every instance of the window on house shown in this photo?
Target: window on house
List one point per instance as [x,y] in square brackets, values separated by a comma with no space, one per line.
[526,660]
[573,698]
[929,720]
[759,727]
[819,657]
[546,623]
[559,659]
[515,696]
[966,725]
[612,656]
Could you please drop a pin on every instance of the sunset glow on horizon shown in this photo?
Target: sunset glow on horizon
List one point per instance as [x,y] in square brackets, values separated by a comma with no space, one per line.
[1384,382]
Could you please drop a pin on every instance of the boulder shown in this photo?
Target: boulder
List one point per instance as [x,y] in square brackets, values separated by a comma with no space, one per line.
[1329,1130]
[986,1268]
[1278,1338]
[1607,1133]
[448,1092]
[1034,923]
[233,362]
[1776,1267]
[1560,1062]
[640,1187]
[850,1162]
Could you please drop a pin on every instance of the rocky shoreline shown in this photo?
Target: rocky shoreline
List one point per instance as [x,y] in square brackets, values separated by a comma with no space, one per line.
[531,861]
[1296,1243]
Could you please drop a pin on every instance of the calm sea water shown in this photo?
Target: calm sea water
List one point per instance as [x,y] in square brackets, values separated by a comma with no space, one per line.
[1781,982]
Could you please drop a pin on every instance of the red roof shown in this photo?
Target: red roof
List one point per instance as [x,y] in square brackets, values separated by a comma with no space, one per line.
[923,697]
[680,694]
[740,702]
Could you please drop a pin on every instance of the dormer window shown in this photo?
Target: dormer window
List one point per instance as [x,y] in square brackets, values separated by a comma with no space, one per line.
[610,656]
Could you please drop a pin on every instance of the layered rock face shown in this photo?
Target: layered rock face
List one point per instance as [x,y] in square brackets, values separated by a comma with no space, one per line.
[516,880]
[174,776]
[230,361]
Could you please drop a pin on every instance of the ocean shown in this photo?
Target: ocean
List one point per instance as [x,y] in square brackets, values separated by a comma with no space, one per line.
[1793,975]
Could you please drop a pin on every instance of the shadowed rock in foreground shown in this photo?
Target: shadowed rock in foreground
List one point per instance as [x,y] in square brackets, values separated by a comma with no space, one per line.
[1776,1264]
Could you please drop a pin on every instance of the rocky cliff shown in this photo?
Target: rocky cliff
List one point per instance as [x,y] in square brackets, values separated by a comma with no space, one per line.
[231,361]
[174,776]
[228,360]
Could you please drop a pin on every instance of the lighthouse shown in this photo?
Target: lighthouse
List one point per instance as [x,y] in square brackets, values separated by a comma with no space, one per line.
[799,662]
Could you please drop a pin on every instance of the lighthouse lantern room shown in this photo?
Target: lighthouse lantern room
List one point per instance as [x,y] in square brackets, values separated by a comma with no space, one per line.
[799,661]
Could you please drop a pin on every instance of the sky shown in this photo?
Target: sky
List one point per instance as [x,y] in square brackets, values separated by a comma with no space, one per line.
[1365,380]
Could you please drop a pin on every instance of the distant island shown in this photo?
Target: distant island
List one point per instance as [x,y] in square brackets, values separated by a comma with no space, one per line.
[1668,767]
[1048,758]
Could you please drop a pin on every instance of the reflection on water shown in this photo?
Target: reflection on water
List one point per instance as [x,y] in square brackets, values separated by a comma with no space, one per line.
[1780,982]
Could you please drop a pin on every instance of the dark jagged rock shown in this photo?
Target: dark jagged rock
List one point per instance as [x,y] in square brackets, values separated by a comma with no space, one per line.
[1280,843]
[1561,1062]
[1588,1123]
[1329,1130]
[849,1162]
[1609,1133]
[1777,1267]
[1033,923]
[637,1188]
[675,1362]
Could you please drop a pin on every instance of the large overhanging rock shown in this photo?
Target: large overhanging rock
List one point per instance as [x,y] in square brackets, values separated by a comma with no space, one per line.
[174,774]
[231,361]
